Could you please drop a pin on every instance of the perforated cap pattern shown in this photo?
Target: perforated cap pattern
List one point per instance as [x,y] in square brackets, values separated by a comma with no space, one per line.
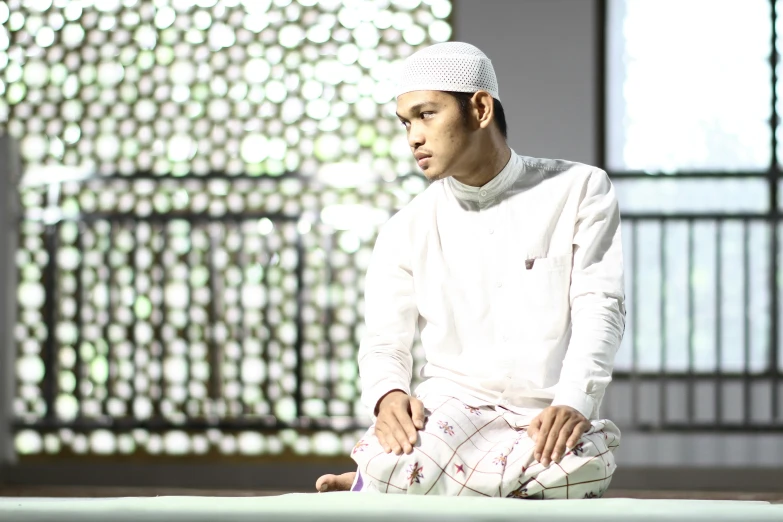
[450,66]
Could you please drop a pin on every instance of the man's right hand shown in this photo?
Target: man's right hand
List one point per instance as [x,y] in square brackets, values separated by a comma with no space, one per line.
[399,417]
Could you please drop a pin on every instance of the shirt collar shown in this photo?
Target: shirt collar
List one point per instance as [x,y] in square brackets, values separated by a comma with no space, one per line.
[491,190]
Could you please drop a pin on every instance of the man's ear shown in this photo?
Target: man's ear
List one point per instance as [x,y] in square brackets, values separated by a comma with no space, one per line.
[484,108]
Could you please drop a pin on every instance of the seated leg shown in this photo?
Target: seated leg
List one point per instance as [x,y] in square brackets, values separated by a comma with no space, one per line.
[583,472]
[474,450]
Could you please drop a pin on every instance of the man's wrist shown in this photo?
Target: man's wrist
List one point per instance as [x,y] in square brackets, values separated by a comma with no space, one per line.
[390,392]
[576,399]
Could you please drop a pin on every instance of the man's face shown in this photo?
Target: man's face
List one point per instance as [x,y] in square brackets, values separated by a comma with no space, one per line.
[437,132]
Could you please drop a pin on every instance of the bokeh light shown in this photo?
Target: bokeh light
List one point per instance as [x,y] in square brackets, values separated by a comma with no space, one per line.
[231,162]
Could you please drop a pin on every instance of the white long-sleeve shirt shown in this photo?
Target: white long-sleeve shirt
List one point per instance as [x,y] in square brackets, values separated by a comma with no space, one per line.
[516,286]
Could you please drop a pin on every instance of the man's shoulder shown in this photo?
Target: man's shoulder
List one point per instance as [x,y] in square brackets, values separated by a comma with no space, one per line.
[550,168]
[567,178]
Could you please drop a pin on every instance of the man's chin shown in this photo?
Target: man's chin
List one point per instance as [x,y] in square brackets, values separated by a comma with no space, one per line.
[433,175]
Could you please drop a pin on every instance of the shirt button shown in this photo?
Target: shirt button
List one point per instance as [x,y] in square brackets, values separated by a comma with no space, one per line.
[491,230]
[499,284]
[483,193]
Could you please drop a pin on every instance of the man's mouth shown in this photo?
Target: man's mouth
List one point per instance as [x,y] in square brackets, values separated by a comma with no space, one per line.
[422,159]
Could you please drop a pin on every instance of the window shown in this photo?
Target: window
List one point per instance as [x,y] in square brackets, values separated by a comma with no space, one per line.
[690,146]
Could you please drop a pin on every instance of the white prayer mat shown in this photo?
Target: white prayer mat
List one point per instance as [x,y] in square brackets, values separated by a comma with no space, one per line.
[350,507]
[480,450]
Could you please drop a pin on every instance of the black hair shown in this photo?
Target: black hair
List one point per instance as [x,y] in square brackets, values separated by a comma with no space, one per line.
[463,100]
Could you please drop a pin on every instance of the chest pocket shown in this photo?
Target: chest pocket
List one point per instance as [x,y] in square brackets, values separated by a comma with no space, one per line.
[544,293]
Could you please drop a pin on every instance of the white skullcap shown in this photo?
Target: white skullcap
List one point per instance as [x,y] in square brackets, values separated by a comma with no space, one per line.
[450,66]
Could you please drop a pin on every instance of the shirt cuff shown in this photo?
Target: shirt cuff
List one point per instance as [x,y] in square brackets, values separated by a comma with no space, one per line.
[577,399]
[377,392]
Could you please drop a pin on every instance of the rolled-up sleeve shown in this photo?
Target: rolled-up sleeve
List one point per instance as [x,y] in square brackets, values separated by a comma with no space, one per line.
[597,299]
[385,360]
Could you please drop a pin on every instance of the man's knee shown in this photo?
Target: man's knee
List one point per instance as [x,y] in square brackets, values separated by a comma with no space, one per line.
[425,447]
[592,464]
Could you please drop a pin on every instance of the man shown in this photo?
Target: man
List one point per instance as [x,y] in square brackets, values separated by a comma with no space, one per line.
[512,269]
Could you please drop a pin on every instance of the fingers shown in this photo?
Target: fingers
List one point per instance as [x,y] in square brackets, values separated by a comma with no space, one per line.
[554,430]
[552,435]
[393,438]
[396,432]
[560,444]
[417,414]
[387,434]
[579,430]
[545,419]
[398,418]
[380,434]
[405,431]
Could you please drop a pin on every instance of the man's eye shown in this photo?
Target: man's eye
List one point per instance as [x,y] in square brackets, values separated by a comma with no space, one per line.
[426,114]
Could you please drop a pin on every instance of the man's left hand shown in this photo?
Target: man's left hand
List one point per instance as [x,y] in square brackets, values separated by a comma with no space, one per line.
[555,429]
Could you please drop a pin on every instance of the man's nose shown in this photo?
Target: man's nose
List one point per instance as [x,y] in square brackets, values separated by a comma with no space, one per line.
[415,137]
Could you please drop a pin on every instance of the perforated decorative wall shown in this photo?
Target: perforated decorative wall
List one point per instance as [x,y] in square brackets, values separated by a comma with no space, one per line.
[200,289]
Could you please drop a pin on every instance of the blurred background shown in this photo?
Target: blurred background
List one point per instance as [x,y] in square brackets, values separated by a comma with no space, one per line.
[190,191]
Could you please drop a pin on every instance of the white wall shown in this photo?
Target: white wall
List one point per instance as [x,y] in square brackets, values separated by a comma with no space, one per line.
[544,53]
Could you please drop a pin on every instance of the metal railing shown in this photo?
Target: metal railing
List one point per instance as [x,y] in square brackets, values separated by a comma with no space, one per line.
[702,393]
